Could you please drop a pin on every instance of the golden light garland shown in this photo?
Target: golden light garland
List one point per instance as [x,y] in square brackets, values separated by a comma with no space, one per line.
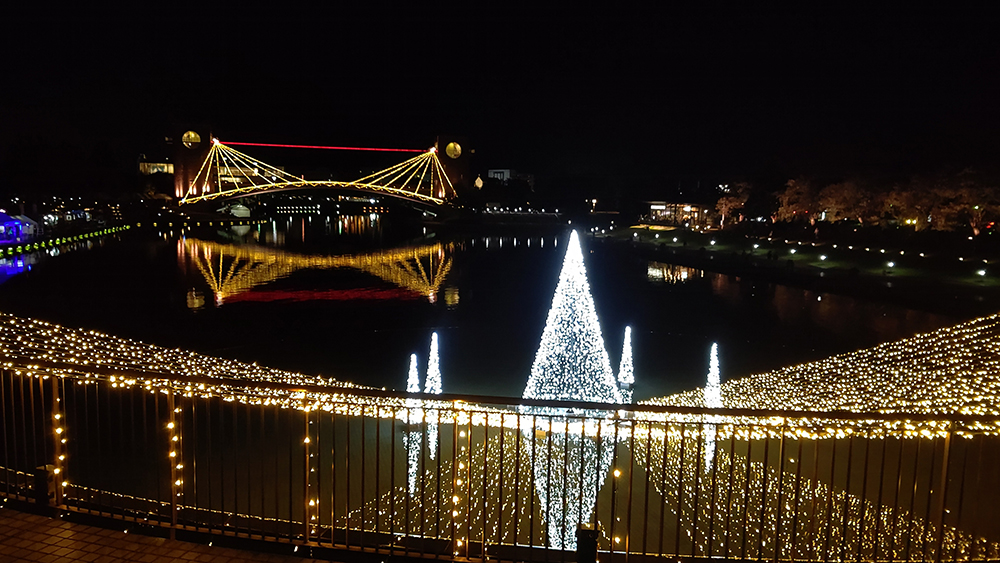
[228,172]
[231,269]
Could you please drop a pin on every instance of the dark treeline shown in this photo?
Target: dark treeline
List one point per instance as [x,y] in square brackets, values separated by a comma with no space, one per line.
[966,200]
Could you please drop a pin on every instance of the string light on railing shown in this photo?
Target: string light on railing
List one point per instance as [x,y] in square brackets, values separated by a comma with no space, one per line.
[951,371]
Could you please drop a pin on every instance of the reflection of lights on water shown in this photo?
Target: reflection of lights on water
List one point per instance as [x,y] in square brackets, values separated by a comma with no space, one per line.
[670,273]
[234,269]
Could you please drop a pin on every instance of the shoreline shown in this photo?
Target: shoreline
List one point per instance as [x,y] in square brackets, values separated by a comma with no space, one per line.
[924,294]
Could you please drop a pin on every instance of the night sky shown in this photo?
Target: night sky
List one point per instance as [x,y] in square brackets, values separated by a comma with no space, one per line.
[621,97]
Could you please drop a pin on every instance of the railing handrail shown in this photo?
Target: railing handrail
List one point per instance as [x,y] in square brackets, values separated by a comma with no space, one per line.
[32,365]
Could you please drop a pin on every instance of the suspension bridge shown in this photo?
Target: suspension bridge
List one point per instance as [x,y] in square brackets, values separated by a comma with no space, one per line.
[226,173]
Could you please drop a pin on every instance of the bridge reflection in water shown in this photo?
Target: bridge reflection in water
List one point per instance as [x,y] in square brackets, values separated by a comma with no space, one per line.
[159,437]
[231,270]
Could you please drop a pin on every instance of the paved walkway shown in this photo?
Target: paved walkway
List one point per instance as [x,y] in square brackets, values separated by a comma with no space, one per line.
[27,537]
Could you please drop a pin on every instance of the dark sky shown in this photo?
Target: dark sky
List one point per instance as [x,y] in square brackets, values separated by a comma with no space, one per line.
[616,94]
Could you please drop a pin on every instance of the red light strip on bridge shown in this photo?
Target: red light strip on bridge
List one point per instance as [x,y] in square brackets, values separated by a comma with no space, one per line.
[319,147]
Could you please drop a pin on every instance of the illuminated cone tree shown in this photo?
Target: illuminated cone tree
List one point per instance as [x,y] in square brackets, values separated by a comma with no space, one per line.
[571,364]
[626,379]
[414,414]
[713,400]
[432,385]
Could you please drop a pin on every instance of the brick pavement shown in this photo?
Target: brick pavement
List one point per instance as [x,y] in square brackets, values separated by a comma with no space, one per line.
[28,537]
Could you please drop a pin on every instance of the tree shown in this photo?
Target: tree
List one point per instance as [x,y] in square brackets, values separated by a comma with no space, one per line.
[976,201]
[734,198]
[913,203]
[572,363]
[850,200]
[797,200]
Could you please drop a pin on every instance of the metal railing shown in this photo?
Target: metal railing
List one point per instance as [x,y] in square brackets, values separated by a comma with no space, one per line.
[491,478]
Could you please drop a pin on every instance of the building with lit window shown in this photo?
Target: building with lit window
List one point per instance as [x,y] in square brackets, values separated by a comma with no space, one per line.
[11,229]
[691,215]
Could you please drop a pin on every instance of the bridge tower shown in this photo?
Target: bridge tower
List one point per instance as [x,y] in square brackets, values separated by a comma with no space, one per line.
[456,157]
[191,146]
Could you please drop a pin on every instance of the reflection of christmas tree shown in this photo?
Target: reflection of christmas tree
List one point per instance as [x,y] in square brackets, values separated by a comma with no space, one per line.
[572,363]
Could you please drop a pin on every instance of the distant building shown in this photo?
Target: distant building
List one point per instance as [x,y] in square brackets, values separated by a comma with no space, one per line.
[11,229]
[191,146]
[691,215]
[29,227]
[505,175]
[147,168]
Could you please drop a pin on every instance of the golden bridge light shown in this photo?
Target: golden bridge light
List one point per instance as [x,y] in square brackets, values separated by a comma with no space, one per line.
[230,269]
[228,172]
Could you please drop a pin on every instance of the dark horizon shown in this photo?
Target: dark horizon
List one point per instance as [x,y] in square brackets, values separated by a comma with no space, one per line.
[627,100]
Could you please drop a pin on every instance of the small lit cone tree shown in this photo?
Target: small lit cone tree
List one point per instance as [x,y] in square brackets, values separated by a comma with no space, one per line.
[432,385]
[626,378]
[713,400]
[571,364]
[411,438]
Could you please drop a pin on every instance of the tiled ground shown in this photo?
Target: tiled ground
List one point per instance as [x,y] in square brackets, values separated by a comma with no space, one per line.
[27,537]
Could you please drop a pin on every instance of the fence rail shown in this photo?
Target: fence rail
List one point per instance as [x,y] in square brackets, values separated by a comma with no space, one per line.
[492,478]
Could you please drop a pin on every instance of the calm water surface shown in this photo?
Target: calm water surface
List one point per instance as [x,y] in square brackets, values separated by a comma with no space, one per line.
[353,296]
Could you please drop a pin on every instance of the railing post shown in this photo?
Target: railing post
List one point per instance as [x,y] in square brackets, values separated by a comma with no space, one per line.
[586,543]
[59,442]
[42,486]
[173,433]
[307,502]
[942,494]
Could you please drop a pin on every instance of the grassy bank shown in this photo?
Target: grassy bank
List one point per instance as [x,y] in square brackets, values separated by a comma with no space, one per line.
[930,280]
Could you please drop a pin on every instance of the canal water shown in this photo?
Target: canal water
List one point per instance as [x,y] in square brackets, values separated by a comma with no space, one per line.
[353,296]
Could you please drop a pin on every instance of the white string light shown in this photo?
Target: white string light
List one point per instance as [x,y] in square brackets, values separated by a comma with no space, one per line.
[432,385]
[626,379]
[713,400]
[572,363]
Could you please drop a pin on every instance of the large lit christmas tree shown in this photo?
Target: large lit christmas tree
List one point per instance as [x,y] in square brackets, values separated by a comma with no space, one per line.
[572,363]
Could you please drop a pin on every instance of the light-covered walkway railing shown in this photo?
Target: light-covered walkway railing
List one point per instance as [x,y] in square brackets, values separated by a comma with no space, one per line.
[492,478]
